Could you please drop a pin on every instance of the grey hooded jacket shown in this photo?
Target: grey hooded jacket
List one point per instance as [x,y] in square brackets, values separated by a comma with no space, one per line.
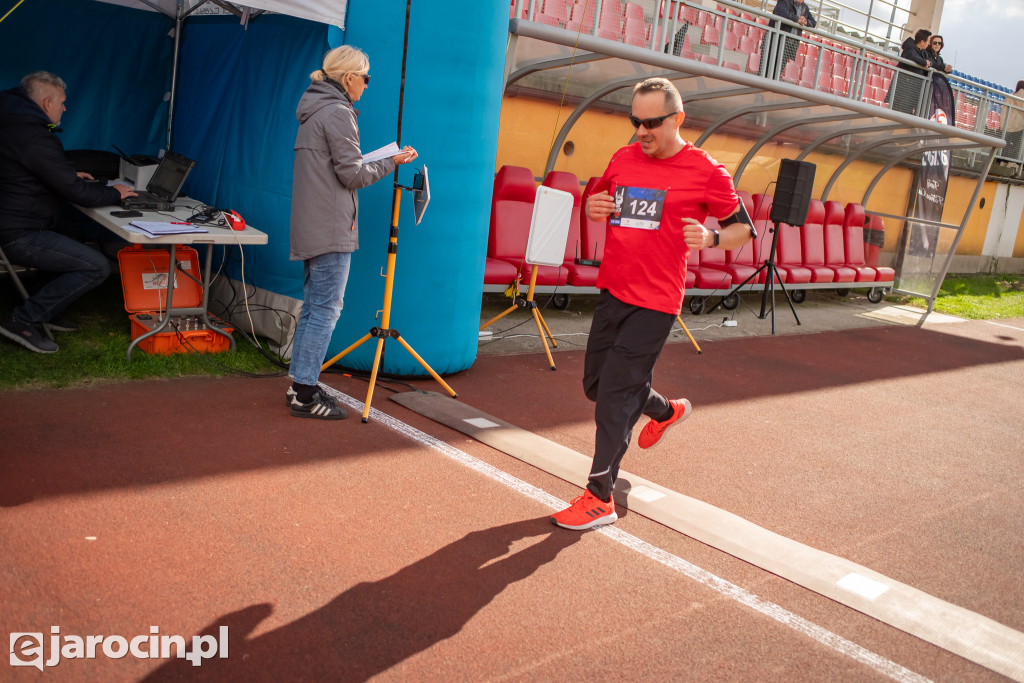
[329,169]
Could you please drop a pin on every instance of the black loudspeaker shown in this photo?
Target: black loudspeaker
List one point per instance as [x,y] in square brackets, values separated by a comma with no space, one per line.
[793,192]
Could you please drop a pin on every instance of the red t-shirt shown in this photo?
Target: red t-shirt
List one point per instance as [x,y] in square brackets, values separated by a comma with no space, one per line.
[646,265]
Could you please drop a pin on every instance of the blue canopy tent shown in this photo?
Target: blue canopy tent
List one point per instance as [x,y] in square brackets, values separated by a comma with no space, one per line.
[235,89]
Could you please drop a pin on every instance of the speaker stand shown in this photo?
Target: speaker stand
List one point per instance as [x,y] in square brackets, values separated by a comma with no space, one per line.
[769,285]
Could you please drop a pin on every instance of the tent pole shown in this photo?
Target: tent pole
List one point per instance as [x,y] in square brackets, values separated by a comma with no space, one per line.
[174,73]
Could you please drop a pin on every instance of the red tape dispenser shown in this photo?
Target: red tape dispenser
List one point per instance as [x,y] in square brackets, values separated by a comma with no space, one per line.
[234,220]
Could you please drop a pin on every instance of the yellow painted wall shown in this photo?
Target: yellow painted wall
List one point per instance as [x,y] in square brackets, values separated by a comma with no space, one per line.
[958,194]
[528,127]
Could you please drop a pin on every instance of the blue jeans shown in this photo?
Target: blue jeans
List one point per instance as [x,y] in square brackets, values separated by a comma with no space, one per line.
[323,291]
[81,269]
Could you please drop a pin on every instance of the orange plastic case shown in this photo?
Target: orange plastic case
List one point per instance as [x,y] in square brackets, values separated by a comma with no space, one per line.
[144,283]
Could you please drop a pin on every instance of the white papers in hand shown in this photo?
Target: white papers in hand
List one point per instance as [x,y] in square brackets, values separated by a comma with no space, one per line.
[385,152]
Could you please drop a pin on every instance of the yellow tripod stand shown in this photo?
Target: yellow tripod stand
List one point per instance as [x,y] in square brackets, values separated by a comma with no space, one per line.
[692,340]
[384,331]
[528,302]
[542,327]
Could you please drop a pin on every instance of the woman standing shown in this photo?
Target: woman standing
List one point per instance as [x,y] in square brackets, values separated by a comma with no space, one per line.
[329,169]
[942,93]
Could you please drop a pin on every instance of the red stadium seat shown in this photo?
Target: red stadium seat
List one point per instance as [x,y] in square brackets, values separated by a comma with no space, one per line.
[703,276]
[709,36]
[812,244]
[853,240]
[592,235]
[789,255]
[511,212]
[853,243]
[560,9]
[876,228]
[547,19]
[754,63]
[583,12]
[793,271]
[634,11]
[835,250]
[739,263]
[708,265]
[791,72]
[609,26]
[499,272]
[635,32]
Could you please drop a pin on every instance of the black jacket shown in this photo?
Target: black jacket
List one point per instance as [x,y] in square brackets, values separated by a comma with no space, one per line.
[938,64]
[915,54]
[35,174]
[789,9]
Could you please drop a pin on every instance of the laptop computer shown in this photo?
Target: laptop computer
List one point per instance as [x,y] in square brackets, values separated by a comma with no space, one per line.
[165,185]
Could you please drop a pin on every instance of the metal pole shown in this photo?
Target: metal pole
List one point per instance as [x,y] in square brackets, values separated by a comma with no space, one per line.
[174,72]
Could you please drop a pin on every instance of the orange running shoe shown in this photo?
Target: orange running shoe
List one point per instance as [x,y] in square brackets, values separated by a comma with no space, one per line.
[653,430]
[585,512]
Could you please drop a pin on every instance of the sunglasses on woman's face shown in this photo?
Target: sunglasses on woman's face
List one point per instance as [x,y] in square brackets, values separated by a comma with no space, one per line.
[937,43]
[365,77]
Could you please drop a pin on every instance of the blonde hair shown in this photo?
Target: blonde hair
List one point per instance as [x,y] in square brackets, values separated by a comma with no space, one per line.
[341,61]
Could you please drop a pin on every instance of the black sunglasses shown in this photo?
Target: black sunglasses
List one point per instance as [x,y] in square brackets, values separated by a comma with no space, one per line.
[936,42]
[650,124]
[365,77]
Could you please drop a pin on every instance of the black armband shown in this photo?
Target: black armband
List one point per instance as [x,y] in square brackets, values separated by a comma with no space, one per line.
[741,216]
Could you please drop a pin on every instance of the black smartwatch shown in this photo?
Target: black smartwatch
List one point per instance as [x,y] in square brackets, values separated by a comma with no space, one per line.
[715,243]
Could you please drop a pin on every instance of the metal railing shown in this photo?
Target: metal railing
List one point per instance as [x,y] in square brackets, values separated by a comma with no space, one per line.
[737,36]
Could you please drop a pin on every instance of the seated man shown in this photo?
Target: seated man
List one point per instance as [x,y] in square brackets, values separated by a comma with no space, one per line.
[35,175]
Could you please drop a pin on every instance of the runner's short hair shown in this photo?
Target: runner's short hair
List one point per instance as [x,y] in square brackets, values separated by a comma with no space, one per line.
[673,102]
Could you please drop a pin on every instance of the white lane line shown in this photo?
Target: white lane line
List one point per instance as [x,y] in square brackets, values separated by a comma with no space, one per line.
[1010,327]
[731,590]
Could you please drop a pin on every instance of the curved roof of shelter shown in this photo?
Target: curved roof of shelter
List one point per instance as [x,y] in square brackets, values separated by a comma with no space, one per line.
[599,73]
[324,11]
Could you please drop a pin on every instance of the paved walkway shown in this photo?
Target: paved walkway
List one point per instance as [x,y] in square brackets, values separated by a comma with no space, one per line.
[405,550]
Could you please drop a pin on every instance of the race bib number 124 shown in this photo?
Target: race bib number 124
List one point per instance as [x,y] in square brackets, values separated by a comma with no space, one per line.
[638,207]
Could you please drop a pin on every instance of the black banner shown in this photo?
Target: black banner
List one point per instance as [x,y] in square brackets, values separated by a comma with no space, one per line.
[930,198]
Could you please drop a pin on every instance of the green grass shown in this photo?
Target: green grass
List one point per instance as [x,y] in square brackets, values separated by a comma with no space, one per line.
[96,352]
[979,297]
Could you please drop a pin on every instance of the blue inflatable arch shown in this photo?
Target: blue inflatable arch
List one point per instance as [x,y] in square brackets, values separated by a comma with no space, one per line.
[237,87]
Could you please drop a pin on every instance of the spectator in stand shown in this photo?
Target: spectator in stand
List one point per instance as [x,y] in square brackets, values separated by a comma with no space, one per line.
[905,90]
[1012,116]
[798,12]
[942,93]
